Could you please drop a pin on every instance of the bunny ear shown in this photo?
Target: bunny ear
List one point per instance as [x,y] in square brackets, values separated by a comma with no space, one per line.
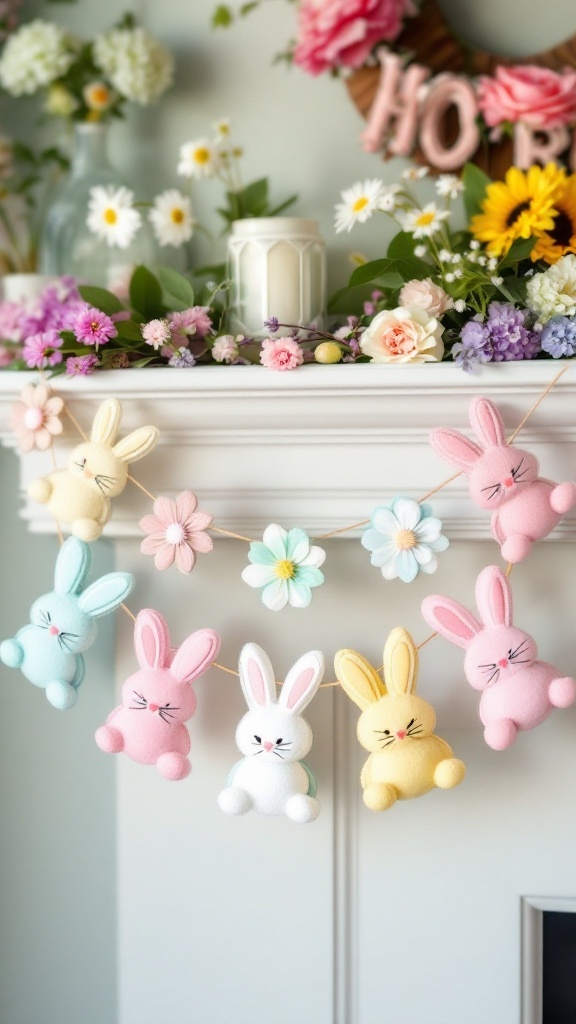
[400,662]
[107,422]
[455,448]
[106,594]
[357,678]
[151,639]
[137,444]
[302,681]
[257,677]
[494,597]
[487,423]
[72,566]
[450,619]
[195,655]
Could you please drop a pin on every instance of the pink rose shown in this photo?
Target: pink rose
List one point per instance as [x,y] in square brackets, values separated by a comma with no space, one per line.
[537,96]
[426,295]
[403,335]
[342,33]
[282,354]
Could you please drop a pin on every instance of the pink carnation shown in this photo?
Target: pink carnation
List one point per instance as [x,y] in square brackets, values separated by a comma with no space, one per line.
[342,33]
[537,96]
[93,327]
[191,321]
[282,354]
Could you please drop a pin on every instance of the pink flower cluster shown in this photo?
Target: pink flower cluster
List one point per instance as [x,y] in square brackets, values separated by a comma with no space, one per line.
[538,97]
[281,354]
[342,33]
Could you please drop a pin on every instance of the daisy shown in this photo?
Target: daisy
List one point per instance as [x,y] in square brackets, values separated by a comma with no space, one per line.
[388,200]
[285,566]
[415,173]
[521,206]
[449,186]
[34,418]
[171,218]
[358,204]
[423,223]
[176,532]
[404,539]
[222,127]
[198,159]
[111,215]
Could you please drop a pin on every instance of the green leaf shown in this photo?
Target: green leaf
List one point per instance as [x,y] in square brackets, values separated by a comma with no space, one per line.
[254,198]
[146,294]
[392,273]
[101,299]
[519,250]
[248,8]
[350,301]
[129,331]
[283,206]
[475,184]
[222,17]
[143,362]
[403,244]
[178,293]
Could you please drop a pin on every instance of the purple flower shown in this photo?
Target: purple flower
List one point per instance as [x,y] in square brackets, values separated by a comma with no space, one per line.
[558,337]
[272,324]
[93,327]
[191,321]
[501,337]
[183,357]
[81,366]
[468,357]
[40,350]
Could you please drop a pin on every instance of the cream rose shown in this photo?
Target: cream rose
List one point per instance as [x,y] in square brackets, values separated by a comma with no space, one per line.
[403,335]
[427,296]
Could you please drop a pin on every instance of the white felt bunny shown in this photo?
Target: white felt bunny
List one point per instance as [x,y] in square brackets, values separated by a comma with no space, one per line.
[273,736]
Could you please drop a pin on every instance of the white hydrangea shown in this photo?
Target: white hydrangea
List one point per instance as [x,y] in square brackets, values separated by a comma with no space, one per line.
[34,57]
[553,292]
[138,66]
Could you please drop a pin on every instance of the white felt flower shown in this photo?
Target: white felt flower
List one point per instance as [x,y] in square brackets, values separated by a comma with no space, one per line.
[171,218]
[285,566]
[404,539]
[111,215]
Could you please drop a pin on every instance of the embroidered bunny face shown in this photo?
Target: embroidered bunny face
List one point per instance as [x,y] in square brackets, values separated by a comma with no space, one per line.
[394,721]
[509,651]
[98,468]
[500,474]
[156,693]
[69,629]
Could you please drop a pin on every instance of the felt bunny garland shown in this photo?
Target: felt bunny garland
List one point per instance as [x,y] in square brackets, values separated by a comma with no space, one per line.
[406,758]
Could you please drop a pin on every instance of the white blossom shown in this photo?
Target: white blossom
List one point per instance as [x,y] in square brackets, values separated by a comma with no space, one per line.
[34,57]
[138,66]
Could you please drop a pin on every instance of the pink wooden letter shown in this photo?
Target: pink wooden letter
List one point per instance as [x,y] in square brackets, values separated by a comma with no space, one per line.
[397,98]
[449,91]
[540,147]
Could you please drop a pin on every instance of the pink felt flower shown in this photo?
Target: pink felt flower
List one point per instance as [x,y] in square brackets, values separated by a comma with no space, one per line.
[282,354]
[176,532]
[537,96]
[342,33]
[34,419]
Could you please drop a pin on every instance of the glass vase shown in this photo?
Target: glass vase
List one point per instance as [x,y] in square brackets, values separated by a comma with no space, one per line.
[67,246]
[277,266]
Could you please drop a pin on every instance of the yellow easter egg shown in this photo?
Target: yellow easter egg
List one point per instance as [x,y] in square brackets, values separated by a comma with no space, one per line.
[328,352]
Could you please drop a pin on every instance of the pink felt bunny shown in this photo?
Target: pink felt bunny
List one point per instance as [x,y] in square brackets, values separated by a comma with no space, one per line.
[157,701]
[519,692]
[505,478]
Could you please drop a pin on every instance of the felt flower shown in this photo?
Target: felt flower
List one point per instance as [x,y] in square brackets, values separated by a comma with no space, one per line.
[425,222]
[282,354]
[404,539]
[34,418]
[521,206]
[111,215]
[536,96]
[427,296]
[171,218]
[358,204]
[342,33]
[286,566]
[403,335]
[176,532]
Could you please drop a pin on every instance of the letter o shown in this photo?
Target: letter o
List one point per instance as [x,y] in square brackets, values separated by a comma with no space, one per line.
[449,91]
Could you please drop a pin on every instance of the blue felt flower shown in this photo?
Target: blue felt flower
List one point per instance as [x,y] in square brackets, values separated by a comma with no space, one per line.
[285,566]
[404,539]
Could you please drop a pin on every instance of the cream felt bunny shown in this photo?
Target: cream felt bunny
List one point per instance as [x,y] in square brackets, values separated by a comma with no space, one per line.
[406,758]
[97,471]
[525,507]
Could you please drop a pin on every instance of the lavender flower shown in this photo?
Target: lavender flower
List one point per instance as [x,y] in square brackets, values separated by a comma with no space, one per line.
[558,337]
[272,324]
[503,336]
[81,366]
[183,357]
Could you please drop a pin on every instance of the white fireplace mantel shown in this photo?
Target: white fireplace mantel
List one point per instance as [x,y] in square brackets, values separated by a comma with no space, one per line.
[319,447]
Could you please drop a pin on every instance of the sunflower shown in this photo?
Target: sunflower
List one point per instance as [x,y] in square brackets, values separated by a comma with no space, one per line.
[561,239]
[522,205]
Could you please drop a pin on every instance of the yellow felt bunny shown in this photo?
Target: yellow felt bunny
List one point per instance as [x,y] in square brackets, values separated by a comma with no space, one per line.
[406,758]
[97,471]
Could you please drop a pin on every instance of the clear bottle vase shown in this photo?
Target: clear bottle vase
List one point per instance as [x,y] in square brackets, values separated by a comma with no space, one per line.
[67,246]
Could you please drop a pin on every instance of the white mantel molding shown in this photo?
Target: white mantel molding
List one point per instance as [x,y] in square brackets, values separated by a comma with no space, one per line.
[318,447]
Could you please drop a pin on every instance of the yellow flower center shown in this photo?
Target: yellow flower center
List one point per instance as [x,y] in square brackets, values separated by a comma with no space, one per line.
[285,570]
[360,204]
[99,95]
[110,216]
[177,215]
[405,540]
[425,219]
[201,155]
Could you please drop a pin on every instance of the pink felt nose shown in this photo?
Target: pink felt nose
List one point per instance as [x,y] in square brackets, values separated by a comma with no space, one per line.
[503,662]
[153,707]
[509,481]
[54,631]
[401,734]
[268,746]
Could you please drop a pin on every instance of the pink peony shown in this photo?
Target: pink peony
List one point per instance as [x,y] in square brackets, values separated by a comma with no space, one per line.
[537,96]
[342,33]
[403,335]
[191,321]
[176,531]
[427,296]
[283,354]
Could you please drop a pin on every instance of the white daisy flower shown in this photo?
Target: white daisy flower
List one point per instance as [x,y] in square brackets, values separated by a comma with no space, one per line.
[358,204]
[171,218]
[111,215]
[423,223]
[222,127]
[198,159]
[449,186]
[404,539]
[388,200]
[415,173]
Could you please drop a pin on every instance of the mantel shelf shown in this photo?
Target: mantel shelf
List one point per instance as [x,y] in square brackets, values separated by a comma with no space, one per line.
[319,447]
